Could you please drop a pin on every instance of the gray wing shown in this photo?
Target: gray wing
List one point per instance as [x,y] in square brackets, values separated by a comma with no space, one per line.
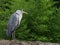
[12,24]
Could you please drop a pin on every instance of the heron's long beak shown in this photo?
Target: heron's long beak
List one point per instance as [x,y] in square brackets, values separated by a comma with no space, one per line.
[25,12]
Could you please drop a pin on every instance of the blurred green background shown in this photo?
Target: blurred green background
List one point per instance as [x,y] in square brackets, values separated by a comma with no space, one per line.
[41,24]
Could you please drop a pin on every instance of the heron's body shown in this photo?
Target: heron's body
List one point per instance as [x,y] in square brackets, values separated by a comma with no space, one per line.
[14,22]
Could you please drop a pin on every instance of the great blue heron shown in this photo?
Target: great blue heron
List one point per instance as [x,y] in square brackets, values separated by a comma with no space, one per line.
[14,22]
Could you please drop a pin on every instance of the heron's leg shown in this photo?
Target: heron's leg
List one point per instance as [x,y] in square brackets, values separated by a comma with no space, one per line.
[13,35]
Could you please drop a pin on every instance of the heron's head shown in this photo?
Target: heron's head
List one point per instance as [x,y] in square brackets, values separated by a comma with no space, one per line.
[21,12]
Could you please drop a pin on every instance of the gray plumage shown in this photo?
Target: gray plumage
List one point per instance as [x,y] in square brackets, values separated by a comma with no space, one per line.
[14,22]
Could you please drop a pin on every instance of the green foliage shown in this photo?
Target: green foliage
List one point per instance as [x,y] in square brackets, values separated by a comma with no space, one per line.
[42,23]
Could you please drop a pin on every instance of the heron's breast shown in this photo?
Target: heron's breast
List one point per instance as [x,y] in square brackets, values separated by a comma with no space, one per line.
[20,17]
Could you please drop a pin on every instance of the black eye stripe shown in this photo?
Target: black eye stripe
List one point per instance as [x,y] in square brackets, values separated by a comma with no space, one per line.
[17,13]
